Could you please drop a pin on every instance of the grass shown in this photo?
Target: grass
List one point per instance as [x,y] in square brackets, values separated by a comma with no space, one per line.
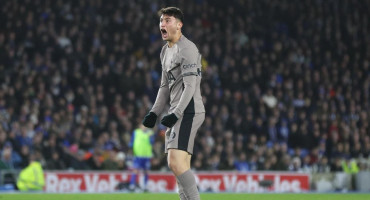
[171,196]
[148,196]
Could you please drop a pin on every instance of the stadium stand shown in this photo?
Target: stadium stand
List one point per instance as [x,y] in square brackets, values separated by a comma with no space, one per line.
[286,84]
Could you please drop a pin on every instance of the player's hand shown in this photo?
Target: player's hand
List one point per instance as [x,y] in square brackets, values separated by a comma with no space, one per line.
[169,120]
[150,119]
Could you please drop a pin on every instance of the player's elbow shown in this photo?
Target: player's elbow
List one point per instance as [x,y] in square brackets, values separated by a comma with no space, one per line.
[189,88]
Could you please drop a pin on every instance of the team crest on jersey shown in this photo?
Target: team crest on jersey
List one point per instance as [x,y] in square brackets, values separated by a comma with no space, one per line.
[173,135]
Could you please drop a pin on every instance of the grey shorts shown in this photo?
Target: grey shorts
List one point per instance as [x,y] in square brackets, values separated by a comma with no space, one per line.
[181,135]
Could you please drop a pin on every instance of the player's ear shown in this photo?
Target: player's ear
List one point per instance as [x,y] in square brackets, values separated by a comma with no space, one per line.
[179,25]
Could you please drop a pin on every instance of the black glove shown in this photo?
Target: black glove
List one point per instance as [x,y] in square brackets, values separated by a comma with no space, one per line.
[150,119]
[169,120]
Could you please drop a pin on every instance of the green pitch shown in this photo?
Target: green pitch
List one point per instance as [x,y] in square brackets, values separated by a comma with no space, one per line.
[156,196]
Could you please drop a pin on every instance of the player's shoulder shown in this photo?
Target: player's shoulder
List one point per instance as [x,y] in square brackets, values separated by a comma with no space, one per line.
[185,44]
[164,47]
[163,50]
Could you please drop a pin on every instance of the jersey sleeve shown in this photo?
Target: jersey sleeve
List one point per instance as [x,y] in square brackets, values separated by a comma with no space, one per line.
[190,62]
[190,69]
[162,96]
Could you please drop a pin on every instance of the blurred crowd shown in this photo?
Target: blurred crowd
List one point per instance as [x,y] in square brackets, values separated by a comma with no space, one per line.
[286,84]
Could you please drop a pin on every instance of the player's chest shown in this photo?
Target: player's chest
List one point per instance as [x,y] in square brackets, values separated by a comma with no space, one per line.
[172,68]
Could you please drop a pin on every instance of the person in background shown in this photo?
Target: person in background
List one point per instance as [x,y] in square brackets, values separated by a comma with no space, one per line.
[32,177]
[10,159]
[242,164]
[55,162]
[350,167]
[141,143]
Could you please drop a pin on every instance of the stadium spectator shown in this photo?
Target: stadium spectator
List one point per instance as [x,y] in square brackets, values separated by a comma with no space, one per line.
[10,158]
[55,162]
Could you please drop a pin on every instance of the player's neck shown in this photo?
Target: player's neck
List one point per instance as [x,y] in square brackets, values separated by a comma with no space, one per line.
[176,38]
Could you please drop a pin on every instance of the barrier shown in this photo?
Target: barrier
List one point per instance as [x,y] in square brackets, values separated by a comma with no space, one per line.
[363,181]
[331,182]
[8,179]
[83,181]
[218,181]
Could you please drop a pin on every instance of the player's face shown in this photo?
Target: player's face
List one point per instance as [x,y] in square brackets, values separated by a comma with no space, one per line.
[169,26]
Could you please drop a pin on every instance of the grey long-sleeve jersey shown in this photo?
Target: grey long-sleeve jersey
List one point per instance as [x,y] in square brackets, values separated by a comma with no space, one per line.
[181,77]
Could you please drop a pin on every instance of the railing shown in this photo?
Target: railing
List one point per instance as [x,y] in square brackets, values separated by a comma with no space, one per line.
[8,177]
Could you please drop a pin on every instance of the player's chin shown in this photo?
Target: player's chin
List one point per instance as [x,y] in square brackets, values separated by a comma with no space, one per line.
[165,37]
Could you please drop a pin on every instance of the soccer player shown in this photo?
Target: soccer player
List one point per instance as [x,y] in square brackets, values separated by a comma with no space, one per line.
[141,143]
[180,85]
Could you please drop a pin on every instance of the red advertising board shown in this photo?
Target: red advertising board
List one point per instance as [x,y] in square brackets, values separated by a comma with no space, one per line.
[165,182]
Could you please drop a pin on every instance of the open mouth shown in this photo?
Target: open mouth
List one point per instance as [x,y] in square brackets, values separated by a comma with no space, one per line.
[164,33]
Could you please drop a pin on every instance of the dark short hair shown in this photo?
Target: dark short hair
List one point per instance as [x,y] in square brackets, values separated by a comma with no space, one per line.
[172,11]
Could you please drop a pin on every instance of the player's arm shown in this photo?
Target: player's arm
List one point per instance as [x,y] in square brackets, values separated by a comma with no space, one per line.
[161,100]
[131,144]
[189,70]
[163,95]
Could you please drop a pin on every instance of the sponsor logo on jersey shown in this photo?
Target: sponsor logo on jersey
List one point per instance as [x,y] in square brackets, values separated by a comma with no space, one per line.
[189,66]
